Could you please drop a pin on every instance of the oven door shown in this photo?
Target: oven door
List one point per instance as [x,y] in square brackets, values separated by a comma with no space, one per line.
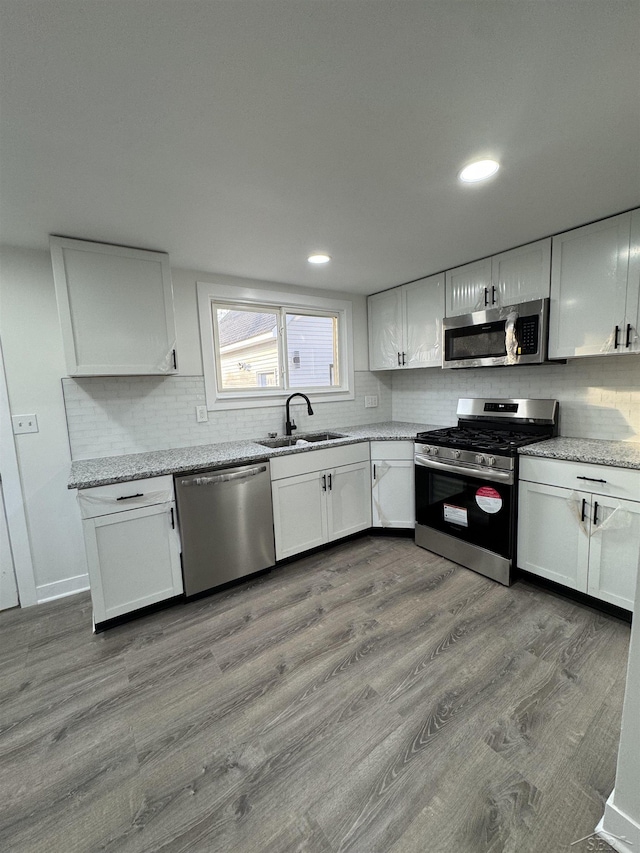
[475,506]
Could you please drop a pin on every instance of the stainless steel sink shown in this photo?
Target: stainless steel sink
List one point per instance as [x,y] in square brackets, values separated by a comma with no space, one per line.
[292,440]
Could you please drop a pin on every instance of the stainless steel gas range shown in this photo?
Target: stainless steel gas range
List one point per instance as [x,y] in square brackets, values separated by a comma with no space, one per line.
[467,481]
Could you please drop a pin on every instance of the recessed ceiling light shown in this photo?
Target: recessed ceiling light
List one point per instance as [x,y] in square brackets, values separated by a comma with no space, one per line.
[319,259]
[479,171]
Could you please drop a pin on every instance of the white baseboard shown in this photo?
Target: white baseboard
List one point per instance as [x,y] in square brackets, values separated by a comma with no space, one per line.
[618,829]
[60,589]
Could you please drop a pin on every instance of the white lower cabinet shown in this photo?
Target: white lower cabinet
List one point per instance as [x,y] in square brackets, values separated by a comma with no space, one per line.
[132,545]
[315,502]
[392,484]
[584,540]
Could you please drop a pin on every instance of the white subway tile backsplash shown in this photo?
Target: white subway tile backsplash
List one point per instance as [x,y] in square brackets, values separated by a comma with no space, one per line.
[599,397]
[134,414]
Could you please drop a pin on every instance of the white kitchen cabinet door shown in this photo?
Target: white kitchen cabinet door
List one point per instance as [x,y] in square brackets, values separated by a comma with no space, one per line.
[348,500]
[589,271]
[393,493]
[614,550]
[423,307]
[468,288]
[552,541]
[632,318]
[386,342]
[116,308]
[133,558]
[522,274]
[299,514]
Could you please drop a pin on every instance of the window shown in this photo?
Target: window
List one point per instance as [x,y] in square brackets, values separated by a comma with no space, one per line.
[259,346]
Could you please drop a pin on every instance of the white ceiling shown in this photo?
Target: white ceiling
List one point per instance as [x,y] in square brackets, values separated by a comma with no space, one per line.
[239,136]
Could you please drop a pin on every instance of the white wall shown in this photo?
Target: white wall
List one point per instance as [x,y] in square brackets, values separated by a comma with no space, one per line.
[34,363]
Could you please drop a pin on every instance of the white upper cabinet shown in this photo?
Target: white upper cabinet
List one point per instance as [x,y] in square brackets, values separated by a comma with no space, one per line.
[385,329]
[423,303]
[632,309]
[405,325]
[116,308]
[469,288]
[519,275]
[595,279]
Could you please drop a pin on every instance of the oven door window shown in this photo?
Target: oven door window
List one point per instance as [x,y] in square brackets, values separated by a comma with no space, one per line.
[467,508]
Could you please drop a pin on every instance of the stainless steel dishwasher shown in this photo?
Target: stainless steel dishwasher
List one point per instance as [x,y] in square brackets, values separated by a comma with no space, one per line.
[226,525]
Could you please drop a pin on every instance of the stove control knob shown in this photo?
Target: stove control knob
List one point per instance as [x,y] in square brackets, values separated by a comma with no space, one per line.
[434,450]
[426,449]
[479,458]
[491,460]
[456,454]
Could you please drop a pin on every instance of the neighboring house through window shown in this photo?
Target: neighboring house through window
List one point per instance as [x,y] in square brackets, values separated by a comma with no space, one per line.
[258,346]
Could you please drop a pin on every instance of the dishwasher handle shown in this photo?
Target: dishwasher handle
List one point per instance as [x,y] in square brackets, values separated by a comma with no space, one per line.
[215,479]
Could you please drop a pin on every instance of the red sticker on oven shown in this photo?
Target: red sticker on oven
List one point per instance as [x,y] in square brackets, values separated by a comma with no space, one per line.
[488,499]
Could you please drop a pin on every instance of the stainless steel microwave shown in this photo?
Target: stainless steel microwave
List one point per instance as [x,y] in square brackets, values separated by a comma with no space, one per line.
[499,337]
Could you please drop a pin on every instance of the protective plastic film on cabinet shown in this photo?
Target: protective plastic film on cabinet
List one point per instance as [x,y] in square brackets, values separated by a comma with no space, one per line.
[381,468]
[424,348]
[92,504]
[618,519]
[168,363]
[621,340]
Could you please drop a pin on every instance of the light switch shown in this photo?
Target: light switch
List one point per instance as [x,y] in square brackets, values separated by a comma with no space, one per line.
[202,416]
[371,402]
[24,423]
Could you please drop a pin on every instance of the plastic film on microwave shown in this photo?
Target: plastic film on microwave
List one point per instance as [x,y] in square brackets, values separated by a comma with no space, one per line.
[511,341]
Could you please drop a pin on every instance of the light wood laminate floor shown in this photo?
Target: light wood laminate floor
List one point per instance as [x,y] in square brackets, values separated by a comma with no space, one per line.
[371,698]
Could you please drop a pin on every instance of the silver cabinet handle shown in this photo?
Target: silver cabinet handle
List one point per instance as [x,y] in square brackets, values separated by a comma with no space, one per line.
[591,479]
[215,479]
[465,470]
[128,497]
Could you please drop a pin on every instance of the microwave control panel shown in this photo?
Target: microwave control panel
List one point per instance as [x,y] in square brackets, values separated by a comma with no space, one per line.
[527,335]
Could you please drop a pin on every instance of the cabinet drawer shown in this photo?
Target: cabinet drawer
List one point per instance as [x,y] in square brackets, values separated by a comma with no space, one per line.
[392,450]
[318,460]
[118,497]
[618,482]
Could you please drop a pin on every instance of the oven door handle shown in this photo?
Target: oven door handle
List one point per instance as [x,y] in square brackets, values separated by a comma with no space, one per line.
[492,474]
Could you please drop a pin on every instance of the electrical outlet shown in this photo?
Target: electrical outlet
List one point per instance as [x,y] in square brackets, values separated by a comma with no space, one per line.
[202,415]
[24,423]
[371,402]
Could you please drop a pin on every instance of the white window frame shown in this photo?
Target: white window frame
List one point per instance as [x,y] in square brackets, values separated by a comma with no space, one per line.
[209,293]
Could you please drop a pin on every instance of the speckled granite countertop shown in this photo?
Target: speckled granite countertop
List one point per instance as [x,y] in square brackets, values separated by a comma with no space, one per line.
[622,454]
[136,466]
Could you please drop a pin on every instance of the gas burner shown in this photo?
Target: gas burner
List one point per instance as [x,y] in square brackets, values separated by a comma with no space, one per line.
[486,432]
